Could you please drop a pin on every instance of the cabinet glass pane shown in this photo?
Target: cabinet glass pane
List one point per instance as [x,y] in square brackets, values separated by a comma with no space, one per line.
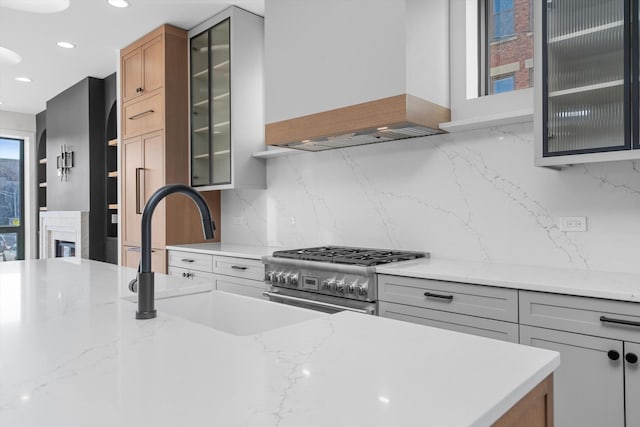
[200,109]
[585,75]
[220,104]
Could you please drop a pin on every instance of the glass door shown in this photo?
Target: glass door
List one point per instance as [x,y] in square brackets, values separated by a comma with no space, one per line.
[11,199]
[586,76]
[211,106]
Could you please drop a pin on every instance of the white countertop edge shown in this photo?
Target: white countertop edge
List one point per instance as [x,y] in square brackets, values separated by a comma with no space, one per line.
[493,414]
[240,251]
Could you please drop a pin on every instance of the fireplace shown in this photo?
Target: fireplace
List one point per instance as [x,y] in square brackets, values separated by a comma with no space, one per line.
[64,234]
[65,249]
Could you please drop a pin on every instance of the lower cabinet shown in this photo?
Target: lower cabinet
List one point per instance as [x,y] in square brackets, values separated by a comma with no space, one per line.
[240,276]
[588,385]
[598,381]
[489,328]
[131,258]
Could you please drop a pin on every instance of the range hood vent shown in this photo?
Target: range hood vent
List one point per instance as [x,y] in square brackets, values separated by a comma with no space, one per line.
[388,119]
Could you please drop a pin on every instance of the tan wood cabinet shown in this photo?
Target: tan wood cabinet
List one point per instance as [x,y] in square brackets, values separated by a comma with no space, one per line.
[155,145]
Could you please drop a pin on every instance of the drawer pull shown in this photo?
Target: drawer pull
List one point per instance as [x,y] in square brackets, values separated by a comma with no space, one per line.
[144,113]
[442,297]
[613,355]
[631,358]
[238,267]
[188,260]
[606,319]
[187,275]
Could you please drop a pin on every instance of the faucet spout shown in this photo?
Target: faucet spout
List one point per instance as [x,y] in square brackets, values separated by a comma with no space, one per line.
[146,298]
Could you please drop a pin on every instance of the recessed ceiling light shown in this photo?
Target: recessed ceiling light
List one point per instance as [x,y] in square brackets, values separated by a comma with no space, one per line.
[118,3]
[23,79]
[9,57]
[66,45]
[36,6]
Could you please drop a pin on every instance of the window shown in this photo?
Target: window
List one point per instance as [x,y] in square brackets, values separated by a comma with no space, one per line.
[506,49]
[11,199]
[503,18]
[503,84]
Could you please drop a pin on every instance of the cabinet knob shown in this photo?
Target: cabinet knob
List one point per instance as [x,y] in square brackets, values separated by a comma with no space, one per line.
[139,90]
[631,358]
[613,355]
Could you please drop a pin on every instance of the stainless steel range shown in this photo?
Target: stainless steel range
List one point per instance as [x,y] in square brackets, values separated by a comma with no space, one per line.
[329,278]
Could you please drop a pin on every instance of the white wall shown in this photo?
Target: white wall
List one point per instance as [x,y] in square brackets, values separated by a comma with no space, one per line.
[472,195]
[23,126]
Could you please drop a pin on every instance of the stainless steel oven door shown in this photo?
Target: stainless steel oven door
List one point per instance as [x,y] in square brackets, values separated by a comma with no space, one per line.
[317,302]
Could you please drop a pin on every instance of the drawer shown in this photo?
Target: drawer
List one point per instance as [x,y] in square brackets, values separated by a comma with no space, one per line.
[488,328]
[145,115]
[185,273]
[246,287]
[239,267]
[462,298]
[581,315]
[191,261]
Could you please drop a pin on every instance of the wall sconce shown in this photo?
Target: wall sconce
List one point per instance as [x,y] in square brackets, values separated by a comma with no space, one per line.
[64,162]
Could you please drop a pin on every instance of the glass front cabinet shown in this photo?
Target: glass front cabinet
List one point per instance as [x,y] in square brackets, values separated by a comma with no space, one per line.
[227,101]
[586,91]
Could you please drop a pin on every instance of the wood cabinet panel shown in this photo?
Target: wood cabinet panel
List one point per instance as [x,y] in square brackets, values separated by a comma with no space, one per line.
[152,65]
[144,115]
[131,71]
[131,204]
[131,258]
[152,180]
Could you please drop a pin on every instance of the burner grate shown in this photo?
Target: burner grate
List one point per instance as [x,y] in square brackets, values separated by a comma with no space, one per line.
[349,255]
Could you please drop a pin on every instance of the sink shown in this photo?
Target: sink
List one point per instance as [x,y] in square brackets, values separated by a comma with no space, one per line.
[231,313]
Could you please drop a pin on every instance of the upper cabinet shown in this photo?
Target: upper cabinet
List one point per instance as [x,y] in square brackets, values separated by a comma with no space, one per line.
[142,69]
[585,100]
[227,101]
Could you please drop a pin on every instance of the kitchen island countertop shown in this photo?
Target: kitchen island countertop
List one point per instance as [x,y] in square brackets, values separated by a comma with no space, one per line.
[72,353]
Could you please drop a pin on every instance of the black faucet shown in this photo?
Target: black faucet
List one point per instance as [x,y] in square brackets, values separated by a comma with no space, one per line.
[146,296]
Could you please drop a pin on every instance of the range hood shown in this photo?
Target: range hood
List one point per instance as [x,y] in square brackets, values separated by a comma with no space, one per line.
[387,119]
[340,74]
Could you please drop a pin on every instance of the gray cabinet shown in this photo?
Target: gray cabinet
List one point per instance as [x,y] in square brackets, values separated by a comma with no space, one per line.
[588,386]
[478,310]
[242,276]
[596,340]
[227,101]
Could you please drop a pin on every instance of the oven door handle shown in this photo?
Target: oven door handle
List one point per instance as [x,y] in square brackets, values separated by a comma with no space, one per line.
[316,303]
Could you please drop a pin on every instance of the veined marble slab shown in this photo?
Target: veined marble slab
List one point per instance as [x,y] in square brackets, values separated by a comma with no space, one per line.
[72,354]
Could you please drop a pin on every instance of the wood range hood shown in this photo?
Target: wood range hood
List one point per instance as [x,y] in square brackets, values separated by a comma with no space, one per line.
[387,119]
[340,74]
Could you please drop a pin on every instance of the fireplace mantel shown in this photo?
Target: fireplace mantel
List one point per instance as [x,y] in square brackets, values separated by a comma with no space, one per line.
[68,226]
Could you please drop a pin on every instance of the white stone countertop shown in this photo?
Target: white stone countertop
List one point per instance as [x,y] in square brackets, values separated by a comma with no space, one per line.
[226,249]
[596,284]
[72,354]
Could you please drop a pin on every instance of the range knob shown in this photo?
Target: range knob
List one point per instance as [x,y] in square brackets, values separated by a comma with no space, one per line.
[280,277]
[363,289]
[328,284]
[340,286]
[268,276]
[351,287]
[292,279]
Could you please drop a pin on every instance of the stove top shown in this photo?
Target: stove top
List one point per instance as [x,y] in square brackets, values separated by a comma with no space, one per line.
[349,255]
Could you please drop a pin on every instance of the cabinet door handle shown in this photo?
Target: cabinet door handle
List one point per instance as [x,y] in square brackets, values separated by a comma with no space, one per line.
[613,355]
[139,190]
[139,115]
[631,358]
[238,267]
[442,297]
[188,260]
[606,319]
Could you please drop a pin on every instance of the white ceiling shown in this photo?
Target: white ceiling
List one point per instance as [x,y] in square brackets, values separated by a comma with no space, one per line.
[98,31]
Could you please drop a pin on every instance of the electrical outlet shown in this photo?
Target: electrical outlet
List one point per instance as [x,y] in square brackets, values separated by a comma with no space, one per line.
[573,223]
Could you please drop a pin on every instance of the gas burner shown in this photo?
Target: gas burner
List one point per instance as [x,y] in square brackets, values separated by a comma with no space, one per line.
[349,255]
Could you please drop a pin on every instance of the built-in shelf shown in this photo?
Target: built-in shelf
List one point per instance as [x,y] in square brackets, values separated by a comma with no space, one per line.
[221,124]
[587,88]
[201,156]
[276,152]
[202,129]
[202,73]
[203,103]
[483,122]
[43,208]
[113,206]
[42,185]
[221,96]
[586,32]
[43,161]
[113,142]
[113,174]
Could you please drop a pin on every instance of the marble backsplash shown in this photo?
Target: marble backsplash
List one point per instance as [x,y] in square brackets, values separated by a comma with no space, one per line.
[473,195]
